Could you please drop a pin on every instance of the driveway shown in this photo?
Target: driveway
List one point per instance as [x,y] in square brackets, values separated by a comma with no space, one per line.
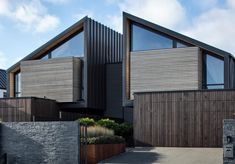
[169,155]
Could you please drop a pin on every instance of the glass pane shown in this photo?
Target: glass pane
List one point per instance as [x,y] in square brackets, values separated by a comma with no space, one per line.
[73,47]
[18,85]
[143,39]
[180,45]
[45,57]
[214,70]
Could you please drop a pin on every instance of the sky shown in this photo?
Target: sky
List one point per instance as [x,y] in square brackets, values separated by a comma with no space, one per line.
[27,24]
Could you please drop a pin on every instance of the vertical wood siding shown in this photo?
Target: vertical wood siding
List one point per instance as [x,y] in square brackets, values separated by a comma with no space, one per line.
[104,46]
[28,109]
[182,119]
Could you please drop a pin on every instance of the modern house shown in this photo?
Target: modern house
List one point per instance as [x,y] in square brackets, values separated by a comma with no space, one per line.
[181,89]
[176,90]
[78,68]
[3,83]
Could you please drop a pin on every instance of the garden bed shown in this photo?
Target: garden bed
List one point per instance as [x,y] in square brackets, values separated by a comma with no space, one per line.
[98,152]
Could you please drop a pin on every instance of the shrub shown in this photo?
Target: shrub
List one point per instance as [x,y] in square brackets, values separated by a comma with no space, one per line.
[96,131]
[111,124]
[87,121]
[125,130]
[105,140]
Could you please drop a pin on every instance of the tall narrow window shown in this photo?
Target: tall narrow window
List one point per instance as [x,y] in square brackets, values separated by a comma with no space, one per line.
[214,72]
[144,39]
[18,85]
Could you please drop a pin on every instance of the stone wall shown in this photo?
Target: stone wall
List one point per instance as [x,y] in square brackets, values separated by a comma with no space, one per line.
[40,142]
[229,141]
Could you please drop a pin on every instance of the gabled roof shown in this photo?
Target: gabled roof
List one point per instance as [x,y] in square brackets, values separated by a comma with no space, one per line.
[69,31]
[3,79]
[175,35]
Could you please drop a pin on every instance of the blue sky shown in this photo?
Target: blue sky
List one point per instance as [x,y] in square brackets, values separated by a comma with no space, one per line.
[27,24]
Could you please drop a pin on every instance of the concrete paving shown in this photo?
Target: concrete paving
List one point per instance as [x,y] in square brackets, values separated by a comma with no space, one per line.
[169,155]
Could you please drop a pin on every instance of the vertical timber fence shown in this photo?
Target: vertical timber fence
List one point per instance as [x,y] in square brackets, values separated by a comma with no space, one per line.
[182,118]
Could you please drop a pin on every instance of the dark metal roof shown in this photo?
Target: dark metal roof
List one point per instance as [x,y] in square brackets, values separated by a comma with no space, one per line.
[3,79]
[176,35]
[28,57]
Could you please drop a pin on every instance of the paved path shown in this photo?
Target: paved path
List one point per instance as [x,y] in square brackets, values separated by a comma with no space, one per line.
[169,155]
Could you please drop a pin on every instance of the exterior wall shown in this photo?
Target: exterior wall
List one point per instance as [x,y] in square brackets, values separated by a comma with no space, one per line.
[28,109]
[102,46]
[114,90]
[40,142]
[56,79]
[166,69]
[182,118]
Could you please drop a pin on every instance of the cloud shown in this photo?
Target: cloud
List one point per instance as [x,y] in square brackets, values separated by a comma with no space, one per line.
[116,22]
[29,16]
[168,13]
[48,22]
[83,13]
[215,27]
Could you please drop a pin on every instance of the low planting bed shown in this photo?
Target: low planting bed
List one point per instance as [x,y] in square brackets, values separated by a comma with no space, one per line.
[101,148]
[102,139]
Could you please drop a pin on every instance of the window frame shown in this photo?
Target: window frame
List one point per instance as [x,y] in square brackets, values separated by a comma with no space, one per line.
[204,73]
[17,80]
[49,52]
[174,40]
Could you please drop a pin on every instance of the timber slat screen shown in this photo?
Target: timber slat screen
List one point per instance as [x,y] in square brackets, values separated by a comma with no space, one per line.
[182,118]
[28,109]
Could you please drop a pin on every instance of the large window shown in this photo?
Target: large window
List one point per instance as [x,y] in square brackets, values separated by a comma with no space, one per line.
[72,47]
[17,85]
[143,39]
[214,72]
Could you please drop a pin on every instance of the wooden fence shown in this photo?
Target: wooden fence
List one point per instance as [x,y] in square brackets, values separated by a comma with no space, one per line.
[28,109]
[182,118]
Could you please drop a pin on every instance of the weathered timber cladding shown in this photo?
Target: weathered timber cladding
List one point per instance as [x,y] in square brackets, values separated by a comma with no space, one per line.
[166,69]
[102,46]
[56,79]
[182,118]
[28,109]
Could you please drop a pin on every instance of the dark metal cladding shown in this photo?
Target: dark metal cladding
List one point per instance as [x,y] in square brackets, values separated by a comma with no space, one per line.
[102,49]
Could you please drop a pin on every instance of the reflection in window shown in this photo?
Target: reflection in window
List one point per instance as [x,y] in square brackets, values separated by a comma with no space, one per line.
[143,39]
[18,85]
[73,47]
[214,72]
[45,57]
[180,45]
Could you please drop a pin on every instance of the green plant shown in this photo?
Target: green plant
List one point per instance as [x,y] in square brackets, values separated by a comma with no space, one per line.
[96,131]
[111,124]
[87,121]
[124,129]
[105,140]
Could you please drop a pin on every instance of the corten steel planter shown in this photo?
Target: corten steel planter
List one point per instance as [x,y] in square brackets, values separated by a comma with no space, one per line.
[98,152]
